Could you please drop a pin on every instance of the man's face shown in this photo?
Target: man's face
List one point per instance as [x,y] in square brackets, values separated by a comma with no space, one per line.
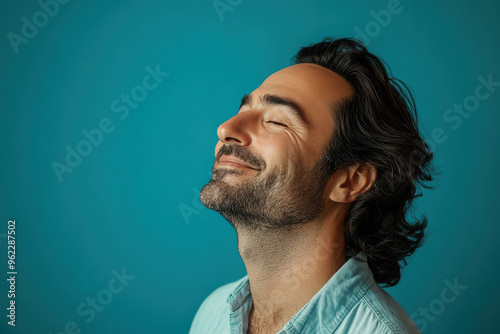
[269,168]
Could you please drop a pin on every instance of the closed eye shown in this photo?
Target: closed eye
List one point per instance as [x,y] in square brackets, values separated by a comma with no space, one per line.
[276,123]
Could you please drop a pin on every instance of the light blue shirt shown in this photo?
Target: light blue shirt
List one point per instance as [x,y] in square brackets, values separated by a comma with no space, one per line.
[350,302]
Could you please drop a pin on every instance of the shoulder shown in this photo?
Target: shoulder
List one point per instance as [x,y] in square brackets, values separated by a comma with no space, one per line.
[378,312]
[214,312]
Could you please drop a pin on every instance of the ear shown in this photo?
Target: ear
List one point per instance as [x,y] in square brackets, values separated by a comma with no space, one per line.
[347,184]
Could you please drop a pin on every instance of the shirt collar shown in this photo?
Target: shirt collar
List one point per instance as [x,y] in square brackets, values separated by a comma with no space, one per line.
[240,294]
[329,305]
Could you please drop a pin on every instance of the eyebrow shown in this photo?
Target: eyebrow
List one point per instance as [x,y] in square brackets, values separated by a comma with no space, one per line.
[270,99]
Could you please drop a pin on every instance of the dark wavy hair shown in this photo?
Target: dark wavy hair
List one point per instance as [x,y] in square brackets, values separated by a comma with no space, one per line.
[378,125]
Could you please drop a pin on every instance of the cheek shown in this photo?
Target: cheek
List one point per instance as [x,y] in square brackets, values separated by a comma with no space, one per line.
[281,157]
[304,151]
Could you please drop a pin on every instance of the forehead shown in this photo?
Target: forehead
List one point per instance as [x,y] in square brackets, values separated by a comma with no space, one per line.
[313,87]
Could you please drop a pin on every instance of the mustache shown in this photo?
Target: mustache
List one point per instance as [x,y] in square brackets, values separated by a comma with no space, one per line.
[242,153]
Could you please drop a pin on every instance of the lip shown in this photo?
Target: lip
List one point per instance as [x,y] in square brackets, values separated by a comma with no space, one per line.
[233,162]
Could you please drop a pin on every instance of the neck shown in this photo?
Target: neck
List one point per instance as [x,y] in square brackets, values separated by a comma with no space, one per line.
[286,268]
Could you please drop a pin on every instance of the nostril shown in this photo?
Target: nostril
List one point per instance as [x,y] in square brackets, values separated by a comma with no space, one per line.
[232,140]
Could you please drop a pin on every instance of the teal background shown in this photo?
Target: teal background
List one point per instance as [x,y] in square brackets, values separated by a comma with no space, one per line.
[123,205]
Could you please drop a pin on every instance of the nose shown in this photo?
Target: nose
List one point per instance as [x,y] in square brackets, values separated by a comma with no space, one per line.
[238,129]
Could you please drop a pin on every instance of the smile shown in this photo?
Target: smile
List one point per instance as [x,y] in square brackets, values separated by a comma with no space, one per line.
[231,162]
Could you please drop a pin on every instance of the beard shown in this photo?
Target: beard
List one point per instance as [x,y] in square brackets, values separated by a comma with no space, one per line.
[272,199]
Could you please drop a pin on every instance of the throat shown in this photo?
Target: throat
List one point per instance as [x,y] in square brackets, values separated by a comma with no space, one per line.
[286,268]
[268,322]
[269,251]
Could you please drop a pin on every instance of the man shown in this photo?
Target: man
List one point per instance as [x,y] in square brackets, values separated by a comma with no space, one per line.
[316,173]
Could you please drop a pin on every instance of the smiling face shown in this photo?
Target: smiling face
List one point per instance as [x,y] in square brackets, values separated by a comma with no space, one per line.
[269,165]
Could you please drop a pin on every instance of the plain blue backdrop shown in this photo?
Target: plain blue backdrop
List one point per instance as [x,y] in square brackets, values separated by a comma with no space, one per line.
[130,203]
